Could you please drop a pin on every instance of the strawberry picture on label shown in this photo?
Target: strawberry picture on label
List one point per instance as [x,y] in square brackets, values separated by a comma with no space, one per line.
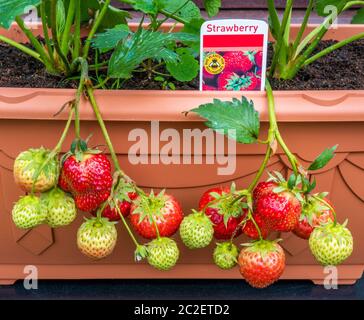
[233,55]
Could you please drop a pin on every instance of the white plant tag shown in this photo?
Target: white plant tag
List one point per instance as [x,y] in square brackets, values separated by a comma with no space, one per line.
[233,55]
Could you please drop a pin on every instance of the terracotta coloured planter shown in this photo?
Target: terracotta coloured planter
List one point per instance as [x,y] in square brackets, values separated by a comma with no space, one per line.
[310,121]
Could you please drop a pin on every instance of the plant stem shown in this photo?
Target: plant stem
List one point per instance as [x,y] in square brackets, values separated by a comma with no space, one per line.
[53,19]
[280,40]
[303,25]
[273,121]
[273,15]
[101,122]
[261,169]
[329,206]
[67,27]
[94,28]
[55,150]
[126,225]
[333,48]
[36,44]
[21,47]
[45,32]
[77,31]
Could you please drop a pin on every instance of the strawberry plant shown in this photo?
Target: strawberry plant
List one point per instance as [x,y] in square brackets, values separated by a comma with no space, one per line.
[274,205]
[291,56]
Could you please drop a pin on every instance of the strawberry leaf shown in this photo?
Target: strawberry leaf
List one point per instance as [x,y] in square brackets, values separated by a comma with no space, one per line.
[237,119]
[186,69]
[323,159]
[212,7]
[291,183]
[110,38]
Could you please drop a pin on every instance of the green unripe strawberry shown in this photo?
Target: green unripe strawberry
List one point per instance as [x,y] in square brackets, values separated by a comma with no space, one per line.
[226,255]
[196,230]
[163,253]
[331,244]
[96,238]
[32,162]
[28,212]
[61,208]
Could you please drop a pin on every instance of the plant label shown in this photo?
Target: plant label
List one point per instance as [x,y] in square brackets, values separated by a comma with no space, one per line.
[233,55]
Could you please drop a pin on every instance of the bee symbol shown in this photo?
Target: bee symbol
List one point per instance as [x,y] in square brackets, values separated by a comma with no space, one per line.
[214,64]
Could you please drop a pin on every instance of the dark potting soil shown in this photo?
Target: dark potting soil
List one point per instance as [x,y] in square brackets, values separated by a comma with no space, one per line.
[342,69]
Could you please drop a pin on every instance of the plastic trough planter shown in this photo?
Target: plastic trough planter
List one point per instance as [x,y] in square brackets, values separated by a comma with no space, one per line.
[309,120]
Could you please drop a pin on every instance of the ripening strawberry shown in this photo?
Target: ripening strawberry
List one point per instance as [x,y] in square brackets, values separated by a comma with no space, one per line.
[251,231]
[225,221]
[331,243]
[89,180]
[263,188]
[162,209]
[258,58]
[96,238]
[124,206]
[314,213]
[163,253]
[28,212]
[262,263]
[28,163]
[281,210]
[238,61]
[60,208]
[226,255]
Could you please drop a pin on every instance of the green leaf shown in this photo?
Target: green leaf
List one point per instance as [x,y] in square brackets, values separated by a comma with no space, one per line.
[142,45]
[322,6]
[236,115]
[60,17]
[9,9]
[182,9]
[212,7]
[359,17]
[147,6]
[186,69]
[110,38]
[323,159]
[113,17]
[193,27]
[291,183]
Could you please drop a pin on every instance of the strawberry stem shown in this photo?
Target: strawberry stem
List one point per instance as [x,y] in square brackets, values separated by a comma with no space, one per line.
[55,150]
[329,206]
[126,225]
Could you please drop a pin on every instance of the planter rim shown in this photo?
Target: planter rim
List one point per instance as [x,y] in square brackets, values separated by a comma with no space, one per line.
[137,105]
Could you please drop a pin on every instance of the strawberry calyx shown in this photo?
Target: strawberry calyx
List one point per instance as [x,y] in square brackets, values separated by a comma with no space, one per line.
[287,186]
[79,148]
[236,82]
[262,246]
[150,206]
[140,253]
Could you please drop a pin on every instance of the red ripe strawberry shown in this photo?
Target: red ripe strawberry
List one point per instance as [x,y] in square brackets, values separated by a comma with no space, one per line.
[88,180]
[263,188]
[282,210]
[258,58]
[206,87]
[251,231]
[164,209]
[314,214]
[124,206]
[276,204]
[262,263]
[238,61]
[225,220]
